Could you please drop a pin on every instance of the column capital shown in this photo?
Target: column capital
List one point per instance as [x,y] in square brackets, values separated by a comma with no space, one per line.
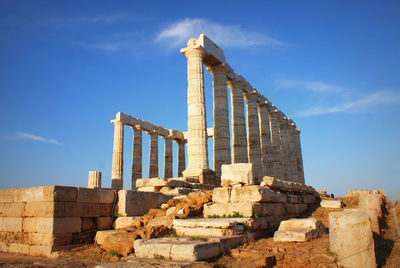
[218,68]
[117,122]
[253,95]
[193,51]
[298,131]
[166,137]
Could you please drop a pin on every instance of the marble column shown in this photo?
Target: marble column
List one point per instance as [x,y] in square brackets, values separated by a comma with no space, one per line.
[253,137]
[136,156]
[276,143]
[293,174]
[221,144]
[299,156]
[197,149]
[284,147]
[153,155]
[238,123]
[168,164]
[181,157]
[117,182]
[265,135]
[94,180]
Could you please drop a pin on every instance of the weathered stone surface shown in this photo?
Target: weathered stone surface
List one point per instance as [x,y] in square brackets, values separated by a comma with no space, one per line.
[175,191]
[296,209]
[44,209]
[19,248]
[331,203]
[44,251]
[104,223]
[221,195]
[12,209]
[371,201]
[49,239]
[149,189]
[101,235]
[12,224]
[177,183]
[121,242]
[245,209]
[91,210]
[107,196]
[117,168]
[217,223]
[207,232]
[88,224]
[350,237]
[122,222]
[86,195]
[363,192]
[176,249]
[59,225]
[372,215]
[299,230]
[239,173]
[273,209]
[49,194]
[10,195]
[105,209]
[255,193]
[152,182]
[29,225]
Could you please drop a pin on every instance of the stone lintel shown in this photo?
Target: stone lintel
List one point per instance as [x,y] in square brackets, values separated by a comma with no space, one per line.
[210,133]
[213,54]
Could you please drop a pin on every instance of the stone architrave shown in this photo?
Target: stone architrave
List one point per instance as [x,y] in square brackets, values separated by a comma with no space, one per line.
[221,144]
[94,180]
[293,171]
[153,155]
[136,156]
[253,137]
[117,182]
[238,123]
[299,158]
[181,157]
[276,143]
[284,147]
[168,164]
[266,146]
[197,148]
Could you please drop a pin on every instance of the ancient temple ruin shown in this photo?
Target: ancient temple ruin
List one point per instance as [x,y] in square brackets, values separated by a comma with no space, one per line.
[266,138]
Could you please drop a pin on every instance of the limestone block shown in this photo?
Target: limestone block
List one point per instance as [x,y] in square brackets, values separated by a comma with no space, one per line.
[177,183]
[42,251]
[299,230]
[256,193]
[10,195]
[91,210]
[372,215]
[331,203]
[104,223]
[12,209]
[213,223]
[176,191]
[44,209]
[123,222]
[59,225]
[246,209]
[88,224]
[87,195]
[19,248]
[1,226]
[105,210]
[309,198]
[132,203]
[49,239]
[292,198]
[152,182]
[272,182]
[239,173]
[350,237]
[12,224]
[363,192]
[149,189]
[207,232]
[273,209]
[101,235]
[29,225]
[296,209]
[74,209]
[107,196]
[371,201]
[49,194]
[221,195]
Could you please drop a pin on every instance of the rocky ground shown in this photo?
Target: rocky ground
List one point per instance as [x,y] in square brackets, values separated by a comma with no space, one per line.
[260,253]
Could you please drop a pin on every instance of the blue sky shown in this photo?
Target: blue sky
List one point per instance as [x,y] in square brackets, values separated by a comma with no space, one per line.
[67,67]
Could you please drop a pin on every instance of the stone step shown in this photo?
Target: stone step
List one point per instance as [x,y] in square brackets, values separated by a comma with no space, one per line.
[299,230]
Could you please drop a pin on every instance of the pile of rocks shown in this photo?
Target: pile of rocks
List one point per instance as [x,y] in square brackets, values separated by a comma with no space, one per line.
[174,186]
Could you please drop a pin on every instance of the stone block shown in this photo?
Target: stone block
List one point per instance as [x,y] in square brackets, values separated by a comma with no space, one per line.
[59,225]
[88,224]
[373,215]
[296,209]
[44,251]
[240,173]
[49,239]
[74,209]
[215,223]
[149,189]
[153,182]
[29,225]
[256,193]
[1,226]
[104,223]
[309,198]
[292,198]
[12,209]
[207,232]
[19,248]
[49,194]
[133,203]
[371,201]
[221,195]
[245,209]
[350,237]
[10,195]
[272,183]
[177,183]
[273,209]
[44,209]
[101,235]
[123,222]
[331,203]
[91,210]
[299,230]
[12,224]
[105,209]
[175,191]
[87,195]
[107,196]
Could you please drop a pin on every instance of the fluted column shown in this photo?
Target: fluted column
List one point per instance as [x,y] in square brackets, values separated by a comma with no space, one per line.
[284,147]
[221,144]
[299,157]
[253,137]
[293,173]
[94,180]
[136,156]
[181,157]
[168,164]
[197,124]
[265,135]
[153,155]
[276,143]
[117,182]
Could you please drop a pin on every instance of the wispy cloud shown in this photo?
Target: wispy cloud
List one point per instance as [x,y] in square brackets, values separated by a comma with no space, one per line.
[177,34]
[358,105]
[315,86]
[108,46]
[106,19]
[28,136]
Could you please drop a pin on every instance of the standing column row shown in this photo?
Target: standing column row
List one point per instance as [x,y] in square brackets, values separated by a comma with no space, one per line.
[266,145]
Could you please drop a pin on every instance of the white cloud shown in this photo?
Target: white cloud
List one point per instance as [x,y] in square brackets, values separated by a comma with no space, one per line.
[27,136]
[374,99]
[109,46]
[177,34]
[315,86]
